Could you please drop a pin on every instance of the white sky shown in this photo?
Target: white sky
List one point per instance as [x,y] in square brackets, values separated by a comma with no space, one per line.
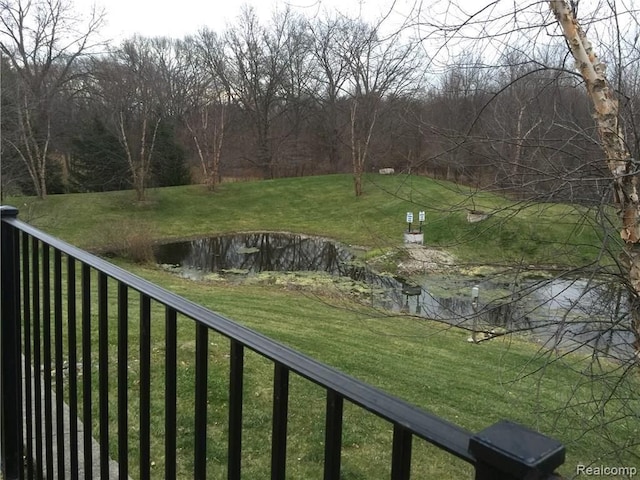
[177,18]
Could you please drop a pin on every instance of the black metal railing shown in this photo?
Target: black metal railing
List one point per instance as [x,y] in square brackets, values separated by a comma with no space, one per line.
[50,426]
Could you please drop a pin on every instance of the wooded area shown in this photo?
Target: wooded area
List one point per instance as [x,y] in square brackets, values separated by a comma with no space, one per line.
[290,96]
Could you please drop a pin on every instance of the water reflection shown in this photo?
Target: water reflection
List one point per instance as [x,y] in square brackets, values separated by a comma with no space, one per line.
[561,313]
[254,253]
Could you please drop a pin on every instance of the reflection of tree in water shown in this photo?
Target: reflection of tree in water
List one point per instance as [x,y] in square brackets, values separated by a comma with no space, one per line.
[560,313]
[292,253]
[258,252]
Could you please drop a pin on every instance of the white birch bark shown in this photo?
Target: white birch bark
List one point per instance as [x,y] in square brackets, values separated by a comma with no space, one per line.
[617,155]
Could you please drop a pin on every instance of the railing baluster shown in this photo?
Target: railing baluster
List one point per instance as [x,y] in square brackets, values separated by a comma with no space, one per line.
[145,387]
[401,453]
[46,338]
[73,367]
[28,377]
[202,355]
[236,381]
[123,380]
[86,372]
[279,428]
[333,435]
[103,379]
[10,351]
[171,343]
[15,353]
[37,362]
[57,319]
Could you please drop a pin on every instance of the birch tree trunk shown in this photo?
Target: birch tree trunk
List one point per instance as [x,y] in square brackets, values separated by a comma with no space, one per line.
[617,155]
[362,125]
[139,161]
[208,138]
[32,150]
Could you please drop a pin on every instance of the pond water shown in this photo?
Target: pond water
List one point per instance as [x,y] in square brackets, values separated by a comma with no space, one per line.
[568,314]
[254,253]
[561,313]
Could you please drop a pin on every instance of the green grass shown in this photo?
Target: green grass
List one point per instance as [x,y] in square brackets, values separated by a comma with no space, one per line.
[325,205]
[425,363]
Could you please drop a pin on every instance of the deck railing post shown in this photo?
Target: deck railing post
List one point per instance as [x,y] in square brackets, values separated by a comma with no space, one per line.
[10,372]
[508,451]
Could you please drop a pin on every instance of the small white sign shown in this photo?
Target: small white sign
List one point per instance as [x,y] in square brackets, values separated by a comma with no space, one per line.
[409,217]
[421,216]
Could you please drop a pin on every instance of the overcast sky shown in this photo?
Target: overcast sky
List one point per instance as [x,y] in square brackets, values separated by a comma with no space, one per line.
[177,18]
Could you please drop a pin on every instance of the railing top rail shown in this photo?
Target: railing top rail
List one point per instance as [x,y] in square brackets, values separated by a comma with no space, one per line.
[435,430]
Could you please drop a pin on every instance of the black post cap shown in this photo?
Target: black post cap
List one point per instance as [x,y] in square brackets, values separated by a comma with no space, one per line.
[517,451]
[8,211]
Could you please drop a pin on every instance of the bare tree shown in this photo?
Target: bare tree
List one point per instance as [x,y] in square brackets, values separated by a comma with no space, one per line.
[521,80]
[255,70]
[332,72]
[206,118]
[128,85]
[299,84]
[42,39]
[379,67]
[621,164]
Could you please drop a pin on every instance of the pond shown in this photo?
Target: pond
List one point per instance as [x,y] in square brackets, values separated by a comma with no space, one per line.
[254,253]
[569,314]
[560,313]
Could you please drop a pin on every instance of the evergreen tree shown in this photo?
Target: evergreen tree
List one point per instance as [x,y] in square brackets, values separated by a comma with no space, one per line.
[99,162]
[168,166]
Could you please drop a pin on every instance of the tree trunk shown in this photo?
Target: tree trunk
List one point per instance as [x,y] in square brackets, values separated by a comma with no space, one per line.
[139,185]
[265,158]
[618,158]
[360,140]
[334,155]
[357,183]
[33,151]
[218,139]
[356,153]
[208,137]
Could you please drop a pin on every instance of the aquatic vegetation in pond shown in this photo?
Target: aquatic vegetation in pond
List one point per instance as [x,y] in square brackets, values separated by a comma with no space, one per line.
[562,313]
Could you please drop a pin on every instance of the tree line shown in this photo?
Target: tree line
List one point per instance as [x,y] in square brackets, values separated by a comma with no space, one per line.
[291,95]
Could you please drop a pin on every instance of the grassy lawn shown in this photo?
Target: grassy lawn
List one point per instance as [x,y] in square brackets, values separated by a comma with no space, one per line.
[325,205]
[428,364]
[423,362]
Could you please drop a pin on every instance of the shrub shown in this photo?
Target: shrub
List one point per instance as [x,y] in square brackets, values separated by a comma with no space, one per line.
[130,240]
